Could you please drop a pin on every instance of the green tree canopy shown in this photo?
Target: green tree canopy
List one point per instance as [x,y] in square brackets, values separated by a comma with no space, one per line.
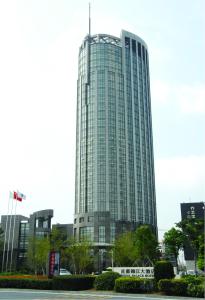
[58,239]
[174,241]
[139,247]
[80,256]
[201,258]
[59,242]
[192,229]
[1,238]
[1,243]
[146,244]
[124,250]
[37,256]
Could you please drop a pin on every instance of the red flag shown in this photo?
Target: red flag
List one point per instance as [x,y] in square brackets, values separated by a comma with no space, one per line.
[16,196]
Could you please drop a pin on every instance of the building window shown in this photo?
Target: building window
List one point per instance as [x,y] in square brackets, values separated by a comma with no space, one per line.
[41,234]
[86,233]
[134,46]
[81,220]
[101,234]
[139,49]
[112,232]
[143,53]
[127,42]
[45,224]
[90,218]
[24,234]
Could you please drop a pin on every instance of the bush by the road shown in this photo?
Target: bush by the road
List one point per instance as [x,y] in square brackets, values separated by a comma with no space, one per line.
[133,285]
[163,270]
[197,291]
[192,279]
[26,283]
[106,281]
[175,287]
[73,282]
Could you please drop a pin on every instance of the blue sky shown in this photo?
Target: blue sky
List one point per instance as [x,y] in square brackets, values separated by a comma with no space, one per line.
[38,72]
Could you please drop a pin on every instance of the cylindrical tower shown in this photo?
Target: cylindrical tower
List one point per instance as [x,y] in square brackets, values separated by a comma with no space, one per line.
[115,185]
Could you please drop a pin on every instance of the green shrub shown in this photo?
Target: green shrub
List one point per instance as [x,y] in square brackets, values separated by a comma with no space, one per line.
[106,281]
[73,282]
[163,270]
[197,291]
[9,273]
[179,287]
[175,287]
[128,284]
[133,285]
[192,279]
[165,286]
[26,283]
[149,285]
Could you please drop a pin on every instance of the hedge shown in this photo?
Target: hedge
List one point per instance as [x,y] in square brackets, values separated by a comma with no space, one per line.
[192,279]
[133,285]
[197,291]
[175,287]
[163,270]
[73,282]
[26,283]
[106,281]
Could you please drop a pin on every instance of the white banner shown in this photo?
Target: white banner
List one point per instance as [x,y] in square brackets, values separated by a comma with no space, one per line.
[142,272]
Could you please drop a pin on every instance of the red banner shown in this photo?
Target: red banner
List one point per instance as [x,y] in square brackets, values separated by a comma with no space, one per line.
[54,263]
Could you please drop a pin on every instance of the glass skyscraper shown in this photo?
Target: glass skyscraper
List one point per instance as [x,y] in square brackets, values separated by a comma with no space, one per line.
[115,183]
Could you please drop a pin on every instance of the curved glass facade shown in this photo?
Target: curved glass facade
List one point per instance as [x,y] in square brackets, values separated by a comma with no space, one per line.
[115,185]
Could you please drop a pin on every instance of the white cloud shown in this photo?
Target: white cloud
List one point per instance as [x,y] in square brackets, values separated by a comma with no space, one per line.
[178,180]
[181,172]
[160,91]
[188,99]
[192,99]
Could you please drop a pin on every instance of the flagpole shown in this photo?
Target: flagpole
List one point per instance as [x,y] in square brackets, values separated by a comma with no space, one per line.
[12,243]
[7,254]
[5,234]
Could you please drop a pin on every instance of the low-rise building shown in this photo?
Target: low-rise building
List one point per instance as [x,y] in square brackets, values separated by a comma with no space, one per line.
[18,232]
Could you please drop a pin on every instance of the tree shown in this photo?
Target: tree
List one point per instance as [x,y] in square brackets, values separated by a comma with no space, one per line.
[59,242]
[146,244]
[201,258]
[1,237]
[138,247]
[174,241]
[1,243]
[58,239]
[192,229]
[80,256]
[124,250]
[37,257]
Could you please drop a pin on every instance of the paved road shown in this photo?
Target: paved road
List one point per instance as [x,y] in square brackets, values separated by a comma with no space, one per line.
[15,294]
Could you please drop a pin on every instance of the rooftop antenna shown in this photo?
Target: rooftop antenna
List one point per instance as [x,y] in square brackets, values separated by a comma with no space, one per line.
[89,21]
